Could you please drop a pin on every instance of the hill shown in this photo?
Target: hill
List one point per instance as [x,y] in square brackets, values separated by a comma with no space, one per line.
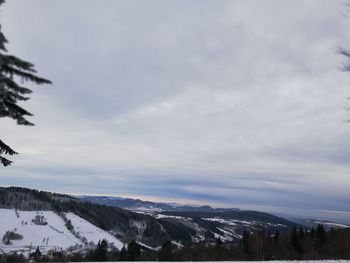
[149,228]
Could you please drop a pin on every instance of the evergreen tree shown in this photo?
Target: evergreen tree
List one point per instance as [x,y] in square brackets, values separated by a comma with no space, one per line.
[36,255]
[295,241]
[101,250]
[312,232]
[245,241]
[134,251]
[219,242]
[276,237]
[165,254]
[123,256]
[301,233]
[13,69]
[320,237]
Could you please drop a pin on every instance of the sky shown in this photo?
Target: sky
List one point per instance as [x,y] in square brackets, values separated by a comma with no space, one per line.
[227,103]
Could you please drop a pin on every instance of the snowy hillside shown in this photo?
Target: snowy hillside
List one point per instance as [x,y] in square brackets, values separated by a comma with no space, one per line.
[149,226]
[91,232]
[46,229]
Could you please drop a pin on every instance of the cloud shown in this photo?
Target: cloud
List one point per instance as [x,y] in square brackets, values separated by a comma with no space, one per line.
[231,103]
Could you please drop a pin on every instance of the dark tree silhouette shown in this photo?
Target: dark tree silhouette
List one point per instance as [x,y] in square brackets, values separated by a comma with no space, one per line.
[134,251]
[101,251]
[12,71]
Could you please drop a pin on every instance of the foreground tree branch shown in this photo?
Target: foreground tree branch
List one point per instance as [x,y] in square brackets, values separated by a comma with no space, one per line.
[12,70]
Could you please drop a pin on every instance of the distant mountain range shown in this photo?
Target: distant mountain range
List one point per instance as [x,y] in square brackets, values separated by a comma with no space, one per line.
[155,208]
[139,205]
[81,221]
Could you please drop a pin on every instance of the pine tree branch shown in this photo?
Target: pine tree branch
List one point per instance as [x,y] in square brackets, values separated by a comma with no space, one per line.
[25,75]
[5,162]
[11,95]
[11,92]
[11,84]
[18,63]
[3,40]
[12,110]
[5,149]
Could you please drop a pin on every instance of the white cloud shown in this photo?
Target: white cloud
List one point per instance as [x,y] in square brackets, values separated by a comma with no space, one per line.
[229,94]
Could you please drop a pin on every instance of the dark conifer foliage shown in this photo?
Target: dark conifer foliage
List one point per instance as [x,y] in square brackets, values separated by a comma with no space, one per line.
[100,253]
[13,73]
[5,149]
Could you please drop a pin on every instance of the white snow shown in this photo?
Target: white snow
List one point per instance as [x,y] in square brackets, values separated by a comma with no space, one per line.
[158,216]
[178,244]
[145,209]
[91,232]
[53,235]
[149,247]
[331,224]
[220,220]
[229,233]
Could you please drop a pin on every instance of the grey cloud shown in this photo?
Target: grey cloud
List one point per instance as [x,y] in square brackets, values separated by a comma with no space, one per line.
[243,96]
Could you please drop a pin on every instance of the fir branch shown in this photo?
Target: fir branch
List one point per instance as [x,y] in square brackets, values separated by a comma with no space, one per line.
[11,84]
[5,149]
[5,162]
[25,75]
[3,40]
[18,63]
[11,92]
[12,110]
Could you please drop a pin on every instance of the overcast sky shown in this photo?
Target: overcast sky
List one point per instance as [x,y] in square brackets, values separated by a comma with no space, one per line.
[227,103]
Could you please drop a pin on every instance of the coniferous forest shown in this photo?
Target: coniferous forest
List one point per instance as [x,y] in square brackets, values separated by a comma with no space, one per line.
[298,244]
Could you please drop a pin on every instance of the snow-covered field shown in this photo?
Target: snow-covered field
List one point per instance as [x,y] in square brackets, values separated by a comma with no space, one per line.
[52,234]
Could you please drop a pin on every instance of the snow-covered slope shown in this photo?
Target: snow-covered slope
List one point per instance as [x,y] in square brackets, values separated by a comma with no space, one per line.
[50,233]
[91,232]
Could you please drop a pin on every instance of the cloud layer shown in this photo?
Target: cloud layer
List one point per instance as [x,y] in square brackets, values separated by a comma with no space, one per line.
[232,103]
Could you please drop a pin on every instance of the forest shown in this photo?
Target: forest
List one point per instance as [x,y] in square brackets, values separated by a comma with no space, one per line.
[297,244]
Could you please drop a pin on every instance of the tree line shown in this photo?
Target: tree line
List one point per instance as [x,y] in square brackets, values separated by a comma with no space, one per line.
[295,244]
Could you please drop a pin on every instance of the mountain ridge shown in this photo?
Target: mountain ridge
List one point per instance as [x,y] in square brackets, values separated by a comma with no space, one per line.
[138,204]
[151,228]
